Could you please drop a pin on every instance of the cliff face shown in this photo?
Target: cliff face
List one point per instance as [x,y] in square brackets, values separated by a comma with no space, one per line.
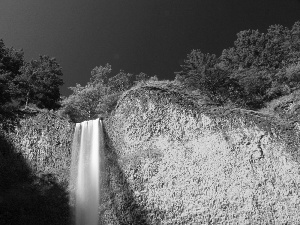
[44,141]
[172,160]
[34,171]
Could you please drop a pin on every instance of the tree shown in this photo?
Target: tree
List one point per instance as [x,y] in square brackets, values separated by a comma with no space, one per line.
[275,55]
[39,82]
[85,101]
[142,77]
[202,72]
[294,44]
[265,65]
[247,51]
[100,74]
[11,61]
[100,94]
[121,82]
[195,69]
[274,50]
[255,84]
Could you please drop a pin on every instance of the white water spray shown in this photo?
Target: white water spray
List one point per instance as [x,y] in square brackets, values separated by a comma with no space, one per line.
[85,172]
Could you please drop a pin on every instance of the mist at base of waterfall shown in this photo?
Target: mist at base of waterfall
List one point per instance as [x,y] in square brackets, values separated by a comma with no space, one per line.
[85,171]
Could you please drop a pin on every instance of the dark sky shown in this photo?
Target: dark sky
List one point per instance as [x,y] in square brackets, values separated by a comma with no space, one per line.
[151,36]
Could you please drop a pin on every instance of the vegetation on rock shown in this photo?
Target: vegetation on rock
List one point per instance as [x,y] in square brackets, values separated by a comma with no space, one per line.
[100,95]
[260,67]
[185,163]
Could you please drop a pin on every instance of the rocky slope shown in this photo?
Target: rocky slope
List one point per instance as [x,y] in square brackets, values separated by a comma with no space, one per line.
[44,141]
[172,159]
[34,170]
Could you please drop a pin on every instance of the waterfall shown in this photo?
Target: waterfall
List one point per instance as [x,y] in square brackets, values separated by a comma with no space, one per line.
[85,171]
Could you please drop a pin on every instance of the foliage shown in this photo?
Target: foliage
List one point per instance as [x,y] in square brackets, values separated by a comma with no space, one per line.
[120,82]
[100,74]
[286,107]
[259,68]
[142,77]
[195,68]
[100,95]
[83,103]
[11,61]
[201,72]
[22,83]
[265,51]
[248,45]
[289,76]
[255,84]
[40,81]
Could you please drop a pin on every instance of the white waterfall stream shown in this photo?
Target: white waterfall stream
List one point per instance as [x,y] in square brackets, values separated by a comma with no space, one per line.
[85,172]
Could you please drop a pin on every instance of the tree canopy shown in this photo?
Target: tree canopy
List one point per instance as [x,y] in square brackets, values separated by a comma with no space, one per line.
[100,94]
[258,68]
[11,60]
[40,81]
[35,82]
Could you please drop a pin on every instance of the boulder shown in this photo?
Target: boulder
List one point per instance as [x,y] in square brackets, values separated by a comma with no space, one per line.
[172,158]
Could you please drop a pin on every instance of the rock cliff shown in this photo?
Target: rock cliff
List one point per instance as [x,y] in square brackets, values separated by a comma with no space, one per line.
[34,170]
[175,159]
[44,141]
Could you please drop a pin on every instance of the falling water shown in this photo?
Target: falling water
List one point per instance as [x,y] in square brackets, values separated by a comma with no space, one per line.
[85,172]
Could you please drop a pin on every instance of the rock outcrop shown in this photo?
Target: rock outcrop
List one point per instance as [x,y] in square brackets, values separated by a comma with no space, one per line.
[173,159]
